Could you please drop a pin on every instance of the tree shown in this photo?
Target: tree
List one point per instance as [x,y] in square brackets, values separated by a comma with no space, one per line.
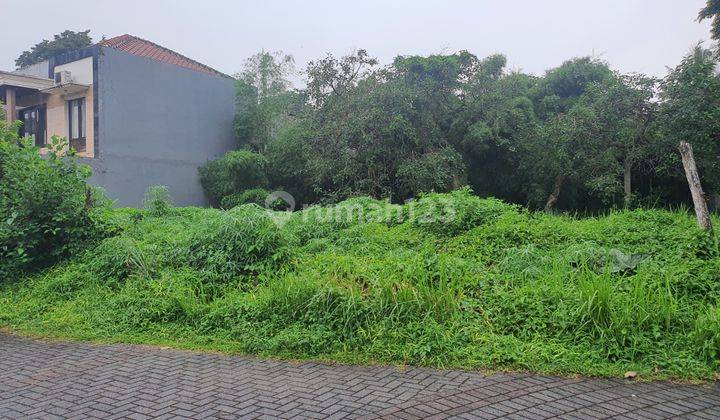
[62,43]
[331,76]
[268,72]
[690,112]
[263,98]
[712,11]
[559,148]
[561,87]
[375,130]
[496,118]
[623,111]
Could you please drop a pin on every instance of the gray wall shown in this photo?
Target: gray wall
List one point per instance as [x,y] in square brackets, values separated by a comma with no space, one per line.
[40,69]
[156,124]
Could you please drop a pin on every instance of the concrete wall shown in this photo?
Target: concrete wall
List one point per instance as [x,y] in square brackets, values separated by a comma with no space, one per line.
[157,123]
[81,70]
[40,69]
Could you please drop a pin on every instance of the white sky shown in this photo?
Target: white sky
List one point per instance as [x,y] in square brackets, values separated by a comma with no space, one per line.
[633,35]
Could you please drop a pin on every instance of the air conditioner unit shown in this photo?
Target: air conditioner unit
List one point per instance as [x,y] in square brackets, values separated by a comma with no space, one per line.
[63,77]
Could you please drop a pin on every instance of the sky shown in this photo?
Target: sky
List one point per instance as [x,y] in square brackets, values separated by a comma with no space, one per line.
[643,36]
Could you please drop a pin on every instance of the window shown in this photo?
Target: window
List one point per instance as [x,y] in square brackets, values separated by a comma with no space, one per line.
[76,112]
[33,120]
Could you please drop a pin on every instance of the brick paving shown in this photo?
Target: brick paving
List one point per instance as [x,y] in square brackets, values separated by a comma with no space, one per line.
[55,379]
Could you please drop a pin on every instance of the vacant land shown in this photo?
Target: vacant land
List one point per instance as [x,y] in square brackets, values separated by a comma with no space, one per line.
[447,280]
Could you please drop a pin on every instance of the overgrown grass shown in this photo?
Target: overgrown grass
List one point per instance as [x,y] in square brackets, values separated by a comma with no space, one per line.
[451,280]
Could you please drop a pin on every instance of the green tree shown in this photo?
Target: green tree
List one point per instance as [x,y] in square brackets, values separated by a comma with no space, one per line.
[691,111]
[268,72]
[264,101]
[372,128]
[562,86]
[622,112]
[62,43]
[332,76]
[559,137]
[498,116]
[712,11]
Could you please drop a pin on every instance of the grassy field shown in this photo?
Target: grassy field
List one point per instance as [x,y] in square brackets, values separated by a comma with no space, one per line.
[448,280]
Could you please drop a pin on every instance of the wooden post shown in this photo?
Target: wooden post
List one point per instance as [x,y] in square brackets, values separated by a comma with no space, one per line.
[693,179]
[10,109]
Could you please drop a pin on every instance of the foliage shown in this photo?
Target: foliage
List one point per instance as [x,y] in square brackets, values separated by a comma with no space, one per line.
[490,285]
[333,77]
[157,200]
[252,196]
[240,241]
[263,98]
[712,11]
[233,173]
[47,212]
[691,112]
[580,137]
[61,43]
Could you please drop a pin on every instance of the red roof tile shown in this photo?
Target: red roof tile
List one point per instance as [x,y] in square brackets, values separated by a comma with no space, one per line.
[140,47]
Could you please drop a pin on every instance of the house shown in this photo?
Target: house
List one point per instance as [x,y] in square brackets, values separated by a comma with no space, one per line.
[139,114]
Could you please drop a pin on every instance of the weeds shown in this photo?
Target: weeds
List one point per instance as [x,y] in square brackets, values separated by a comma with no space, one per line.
[495,286]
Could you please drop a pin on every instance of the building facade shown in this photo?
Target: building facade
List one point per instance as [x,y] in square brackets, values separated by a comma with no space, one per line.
[139,114]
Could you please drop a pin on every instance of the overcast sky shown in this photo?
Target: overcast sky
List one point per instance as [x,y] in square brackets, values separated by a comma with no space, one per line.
[633,35]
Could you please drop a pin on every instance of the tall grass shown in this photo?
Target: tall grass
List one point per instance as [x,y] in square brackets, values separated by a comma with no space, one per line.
[478,283]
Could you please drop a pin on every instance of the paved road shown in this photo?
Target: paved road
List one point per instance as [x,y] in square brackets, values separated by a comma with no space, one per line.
[73,380]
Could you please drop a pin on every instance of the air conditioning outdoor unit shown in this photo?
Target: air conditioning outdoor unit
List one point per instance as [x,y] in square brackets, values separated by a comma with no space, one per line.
[63,77]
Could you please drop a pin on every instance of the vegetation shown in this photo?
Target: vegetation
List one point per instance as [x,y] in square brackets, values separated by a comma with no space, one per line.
[47,212]
[61,43]
[581,137]
[712,11]
[447,280]
[398,260]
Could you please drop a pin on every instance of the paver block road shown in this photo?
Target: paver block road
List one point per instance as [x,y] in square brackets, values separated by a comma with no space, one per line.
[56,379]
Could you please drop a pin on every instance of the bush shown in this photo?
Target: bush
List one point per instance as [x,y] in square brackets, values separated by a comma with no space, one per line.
[319,221]
[433,172]
[368,280]
[157,200]
[233,173]
[243,240]
[47,211]
[254,196]
[456,212]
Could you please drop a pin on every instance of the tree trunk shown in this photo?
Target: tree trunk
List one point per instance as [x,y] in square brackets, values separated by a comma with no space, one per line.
[555,194]
[701,209]
[627,181]
[456,182]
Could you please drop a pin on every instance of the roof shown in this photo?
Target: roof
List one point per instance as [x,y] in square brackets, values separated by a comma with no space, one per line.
[24,81]
[140,47]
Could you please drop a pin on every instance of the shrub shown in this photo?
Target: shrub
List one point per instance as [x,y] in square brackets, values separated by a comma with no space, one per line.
[456,212]
[322,221]
[252,196]
[46,208]
[157,200]
[495,287]
[432,172]
[243,240]
[707,334]
[233,173]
